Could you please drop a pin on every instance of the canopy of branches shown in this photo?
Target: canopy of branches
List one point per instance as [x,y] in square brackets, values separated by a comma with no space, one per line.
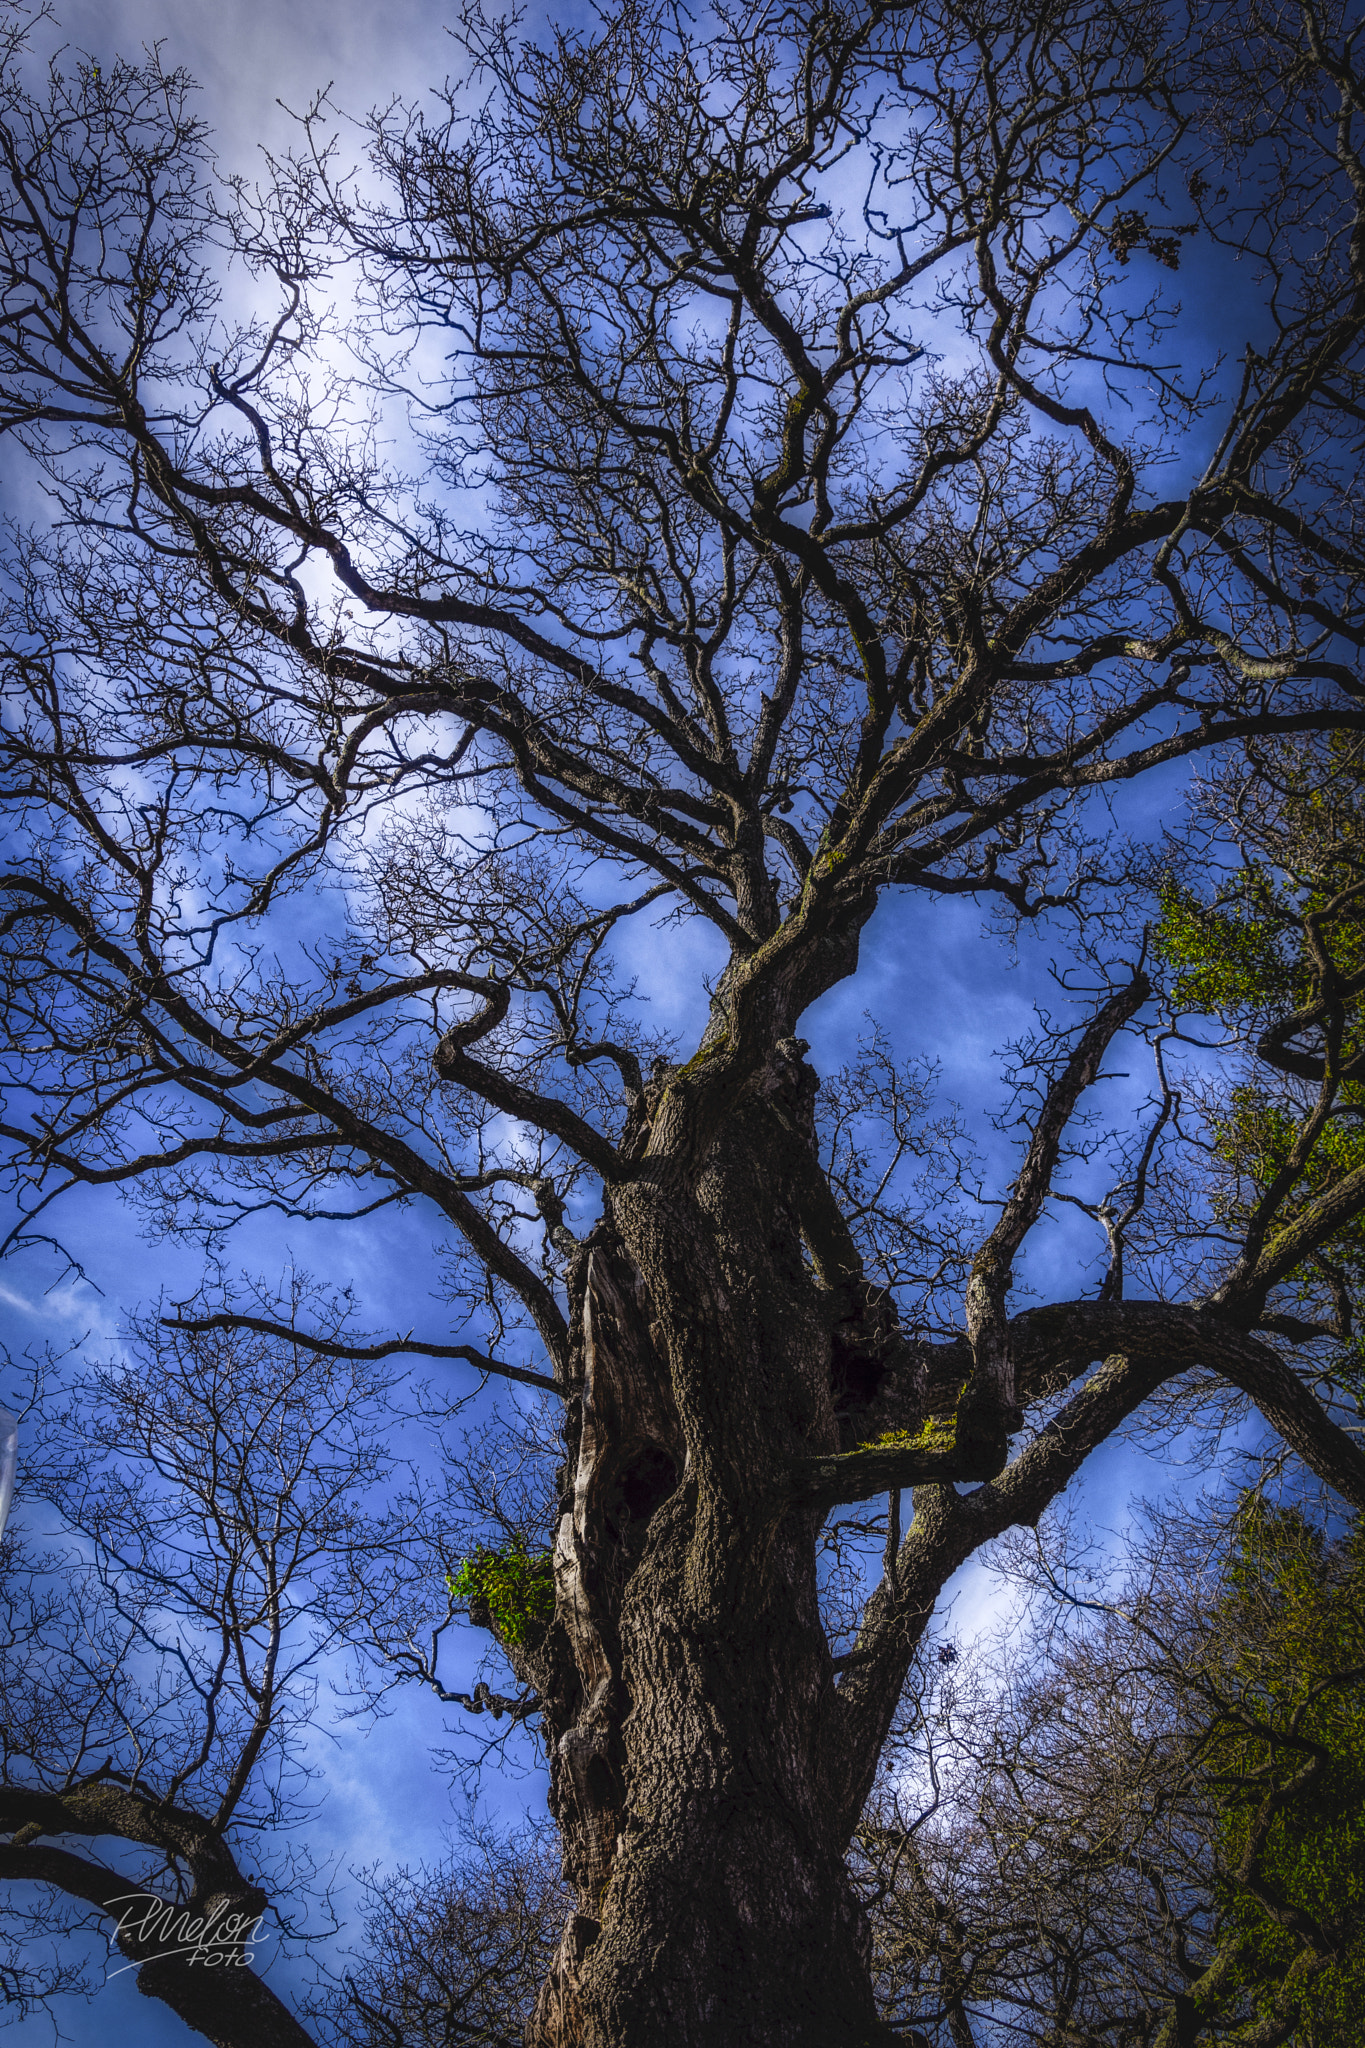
[664,518]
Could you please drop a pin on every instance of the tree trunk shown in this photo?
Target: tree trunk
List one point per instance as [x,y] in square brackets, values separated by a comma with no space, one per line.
[687,1682]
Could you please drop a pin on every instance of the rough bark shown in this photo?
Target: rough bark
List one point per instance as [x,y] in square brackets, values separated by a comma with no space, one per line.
[689,1732]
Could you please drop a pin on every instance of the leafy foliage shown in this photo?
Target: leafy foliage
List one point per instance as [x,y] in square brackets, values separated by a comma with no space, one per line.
[1289,1773]
[1277,953]
[510,1591]
[1221,959]
[1260,1137]
[1153,1831]
[1291,918]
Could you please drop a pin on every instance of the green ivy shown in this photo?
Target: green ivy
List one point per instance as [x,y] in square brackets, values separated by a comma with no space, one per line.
[1257,1135]
[1222,959]
[509,1591]
[1298,1603]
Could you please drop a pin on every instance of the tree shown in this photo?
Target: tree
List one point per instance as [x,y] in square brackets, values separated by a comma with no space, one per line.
[714,471]
[217,1541]
[455,1955]
[1150,1833]
[1288,1773]
[228,1512]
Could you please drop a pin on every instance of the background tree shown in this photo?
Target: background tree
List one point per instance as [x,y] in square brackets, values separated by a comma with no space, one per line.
[216,1537]
[1151,1832]
[752,479]
[226,1515]
[455,1954]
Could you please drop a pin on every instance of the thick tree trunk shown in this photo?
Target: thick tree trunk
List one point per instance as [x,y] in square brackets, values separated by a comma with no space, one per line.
[688,1686]
[725,1914]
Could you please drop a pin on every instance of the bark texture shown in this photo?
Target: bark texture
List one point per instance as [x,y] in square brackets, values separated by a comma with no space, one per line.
[690,1726]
